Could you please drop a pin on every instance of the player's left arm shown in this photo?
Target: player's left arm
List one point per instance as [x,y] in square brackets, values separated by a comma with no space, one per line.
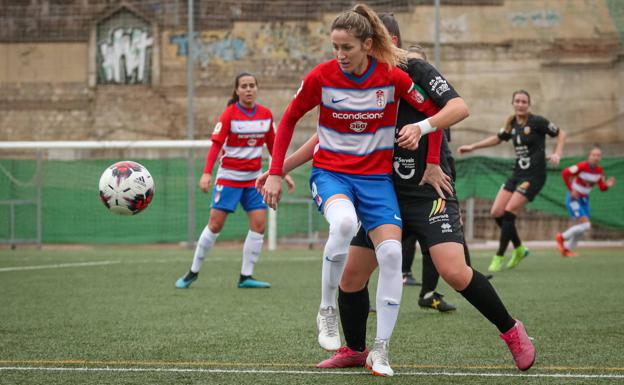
[552,130]
[604,185]
[439,93]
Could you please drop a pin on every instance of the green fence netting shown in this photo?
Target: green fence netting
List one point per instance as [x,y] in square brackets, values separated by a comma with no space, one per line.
[72,212]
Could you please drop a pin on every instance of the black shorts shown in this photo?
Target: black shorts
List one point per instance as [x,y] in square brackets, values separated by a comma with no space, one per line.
[529,186]
[432,221]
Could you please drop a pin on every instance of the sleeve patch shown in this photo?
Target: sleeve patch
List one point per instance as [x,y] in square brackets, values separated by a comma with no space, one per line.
[217,128]
[439,85]
[418,94]
[552,128]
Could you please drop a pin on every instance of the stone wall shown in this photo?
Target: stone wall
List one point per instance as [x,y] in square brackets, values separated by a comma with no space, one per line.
[565,52]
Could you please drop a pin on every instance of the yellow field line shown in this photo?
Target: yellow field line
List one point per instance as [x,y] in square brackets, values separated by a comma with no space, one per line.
[293,364]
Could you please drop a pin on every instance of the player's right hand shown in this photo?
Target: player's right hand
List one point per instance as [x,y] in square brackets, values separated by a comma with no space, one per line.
[574,194]
[435,177]
[204,182]
[466,148]
[261,180]
[272,191]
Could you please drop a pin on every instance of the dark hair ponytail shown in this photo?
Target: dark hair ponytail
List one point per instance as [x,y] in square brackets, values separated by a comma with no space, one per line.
[392,25]
[234,98]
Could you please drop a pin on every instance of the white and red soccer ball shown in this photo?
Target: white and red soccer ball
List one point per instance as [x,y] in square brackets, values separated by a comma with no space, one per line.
[126,188]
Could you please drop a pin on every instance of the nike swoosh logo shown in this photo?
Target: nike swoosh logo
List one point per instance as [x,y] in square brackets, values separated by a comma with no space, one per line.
[338,100]
[328,259]
[397,217]
[392,304]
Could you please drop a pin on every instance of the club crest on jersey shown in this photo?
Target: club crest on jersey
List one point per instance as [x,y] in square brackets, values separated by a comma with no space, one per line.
[381,98]
[527,130]
[358,126]
[251,142]
[418,97]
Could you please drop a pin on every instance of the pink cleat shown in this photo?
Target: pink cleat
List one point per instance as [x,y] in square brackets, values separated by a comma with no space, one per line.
[344,358]
[520,345]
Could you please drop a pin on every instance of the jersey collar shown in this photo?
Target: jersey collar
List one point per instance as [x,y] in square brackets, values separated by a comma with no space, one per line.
[245,111]
[372,63]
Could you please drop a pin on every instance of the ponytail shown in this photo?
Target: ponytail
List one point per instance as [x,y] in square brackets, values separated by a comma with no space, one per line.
[362,22]
[508,123]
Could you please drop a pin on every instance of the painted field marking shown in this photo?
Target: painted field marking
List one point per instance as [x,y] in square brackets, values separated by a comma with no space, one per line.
[57,266]
[311,372]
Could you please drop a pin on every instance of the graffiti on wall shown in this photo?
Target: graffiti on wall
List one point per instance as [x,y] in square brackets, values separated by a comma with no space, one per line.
[616,12]
[539,18]
[211,48]
[292,41]
[453,29]
[125,56]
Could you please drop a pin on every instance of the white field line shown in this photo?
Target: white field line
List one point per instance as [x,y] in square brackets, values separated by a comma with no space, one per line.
[57,266]
[310,372]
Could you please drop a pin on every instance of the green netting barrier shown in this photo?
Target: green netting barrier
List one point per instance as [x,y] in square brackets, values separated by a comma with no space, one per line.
[73,213]
[482,177]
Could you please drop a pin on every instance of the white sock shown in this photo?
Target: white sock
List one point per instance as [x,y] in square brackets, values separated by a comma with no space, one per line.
[574,233]
[343,224]
[251,251]
[204,245]
[576,229]
[389,287]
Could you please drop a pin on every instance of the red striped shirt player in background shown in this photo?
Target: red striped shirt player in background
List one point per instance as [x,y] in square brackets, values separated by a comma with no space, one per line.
[580,179]
[357,93]
[242,131]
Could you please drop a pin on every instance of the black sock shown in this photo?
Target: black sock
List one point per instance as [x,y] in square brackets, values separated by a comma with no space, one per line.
[430,275]
[466,251]
[508,231]
[243,277]
[481,294]
[499,221]
[515,239]
[467,254]
[408,246]
[354,309]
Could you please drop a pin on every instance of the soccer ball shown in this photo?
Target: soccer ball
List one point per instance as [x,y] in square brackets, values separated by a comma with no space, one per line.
[126,188]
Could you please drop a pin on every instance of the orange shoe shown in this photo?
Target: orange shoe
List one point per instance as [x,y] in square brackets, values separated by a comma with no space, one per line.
[560,244]
[569,253]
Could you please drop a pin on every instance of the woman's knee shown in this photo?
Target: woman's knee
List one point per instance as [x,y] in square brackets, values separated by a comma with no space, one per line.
[215,225]
[354,278]
[497,211]
[458,277]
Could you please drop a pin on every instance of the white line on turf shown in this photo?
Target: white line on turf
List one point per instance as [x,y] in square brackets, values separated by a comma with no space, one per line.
[311,372]
[57,266]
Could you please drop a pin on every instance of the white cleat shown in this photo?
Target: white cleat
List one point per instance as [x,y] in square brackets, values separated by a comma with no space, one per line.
[327,324]
[377,359]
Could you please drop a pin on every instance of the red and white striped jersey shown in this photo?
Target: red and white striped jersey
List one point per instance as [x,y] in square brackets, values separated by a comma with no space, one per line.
[357,117]
[583,176]
[239,136]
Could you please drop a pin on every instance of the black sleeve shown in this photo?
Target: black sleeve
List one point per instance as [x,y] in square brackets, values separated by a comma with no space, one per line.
[431,81]
[503,135]
[544,126]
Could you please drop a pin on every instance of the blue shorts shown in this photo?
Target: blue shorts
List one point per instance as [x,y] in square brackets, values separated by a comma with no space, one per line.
[225,198]
[577,208]
[372,195]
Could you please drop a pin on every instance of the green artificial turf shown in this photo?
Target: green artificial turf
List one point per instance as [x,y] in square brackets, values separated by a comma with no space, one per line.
[112,316]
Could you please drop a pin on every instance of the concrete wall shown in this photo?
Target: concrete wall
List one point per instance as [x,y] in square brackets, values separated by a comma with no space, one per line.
[565,52]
